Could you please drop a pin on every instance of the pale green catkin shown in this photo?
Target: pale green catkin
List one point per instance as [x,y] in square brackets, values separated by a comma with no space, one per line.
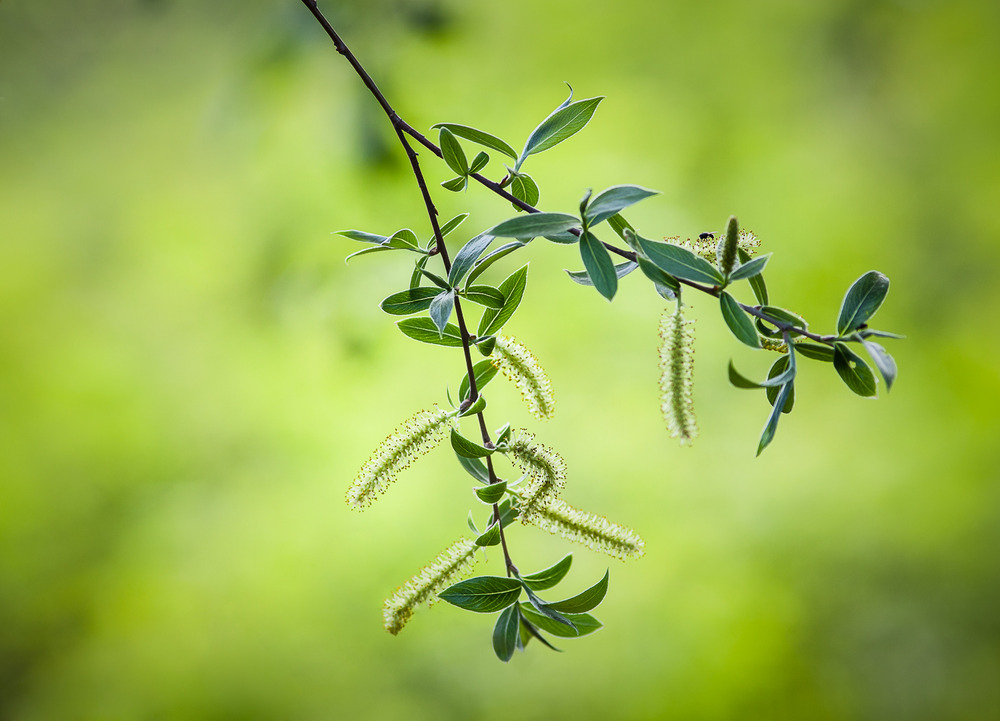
[593,531]
[454,562]
[522,368]
[415,437]
[545,468]
[677,376]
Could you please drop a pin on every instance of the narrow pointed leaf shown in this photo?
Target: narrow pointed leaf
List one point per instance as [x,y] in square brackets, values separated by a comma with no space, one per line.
[407,302]
[479,162]
[862,300]
[528,631]
[786,373]
[452,224]
[362,236]
[466,258]
[778,369]
[658,276]
[485,295]
[583,278]
[739,380]
[424,330]
[786,317]
[456,184]
[477,407]
[599,265]
[756,281]
[544,609]
[505,634]
[585,600]
[583,623]
[484,371]
[469,449]
[815,351]
[854,371]
[533,225]
[610,201]
[772,422]
[491,537]
[404,239]
[492,493]
[560,125]
[738,321]
[436,279]
[750,268]
[680,262]
[480,137]
[549,577]
[367,251]
[452,152]
[475,468]
[883,361]
[513,290]
[483,594]
[441,308]
[492,257]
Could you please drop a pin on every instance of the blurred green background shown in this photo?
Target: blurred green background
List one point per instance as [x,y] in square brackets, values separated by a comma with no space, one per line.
[190,376]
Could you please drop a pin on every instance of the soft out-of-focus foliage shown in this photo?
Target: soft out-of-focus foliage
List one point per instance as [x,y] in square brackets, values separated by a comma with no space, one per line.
[190,379]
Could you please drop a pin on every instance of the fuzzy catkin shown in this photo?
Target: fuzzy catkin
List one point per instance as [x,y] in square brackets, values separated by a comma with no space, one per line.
[414,437]
[522,368]
[545,468]
[677,376]
[448,567]
[593,531]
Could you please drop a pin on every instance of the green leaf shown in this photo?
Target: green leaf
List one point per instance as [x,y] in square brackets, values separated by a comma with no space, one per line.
[560,125]
[436,279]
[599,265]
[507,513]
[441,308]
[853,371]
[469,449]
[680,262]
[549,577]
[452,224]
[738,321]
[883,361]
[404,239]
[486,344]
[815,351]
[524,188]
[362,236]
[872,333]
[475,468]
[407,302]
[418,271]
[614,199]
[583,623]
[513,290]
[756,281]
[772,422]
[484,295]
[492,257]
[492,493]
[503,433]
[483,594]
[528,632]
[533,225]
[424,330]
[779,368]
[862,300]
[491,537]
[451,151]
[658,276]
[479,162]
[480,137]
[741,381]
[583,278]
[505,633]
[456,184]
[751,268]
[484,370]
[619,225]
[787,374]
[586,600]
[466,258]
[367,251]
[564,238]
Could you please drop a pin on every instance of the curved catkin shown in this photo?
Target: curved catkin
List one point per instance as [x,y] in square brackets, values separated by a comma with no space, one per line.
[450,565]
[545,468]
[593,531]
[522,368]
[677,376]
[415,437]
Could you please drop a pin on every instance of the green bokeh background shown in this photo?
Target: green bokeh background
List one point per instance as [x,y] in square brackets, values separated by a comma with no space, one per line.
[190,376]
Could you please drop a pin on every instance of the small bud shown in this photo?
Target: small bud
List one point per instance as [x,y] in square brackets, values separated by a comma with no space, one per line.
[448,567]
[677,376]
[523,370]
[415,437]
[727,256]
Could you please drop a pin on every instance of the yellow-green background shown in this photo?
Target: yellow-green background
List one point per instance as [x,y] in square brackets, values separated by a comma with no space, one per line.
[190,376]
